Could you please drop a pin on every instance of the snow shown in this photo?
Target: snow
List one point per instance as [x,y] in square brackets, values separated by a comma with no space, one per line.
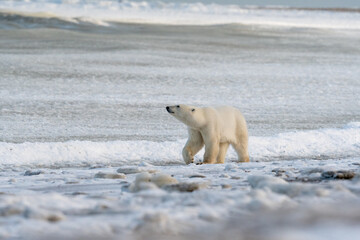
[48,204]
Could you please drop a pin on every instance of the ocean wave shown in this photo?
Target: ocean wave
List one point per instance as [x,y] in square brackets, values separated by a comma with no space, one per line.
[16,20]
[67,14]
[330,143]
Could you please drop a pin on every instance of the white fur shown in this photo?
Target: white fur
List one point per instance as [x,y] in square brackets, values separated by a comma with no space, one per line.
[216,128]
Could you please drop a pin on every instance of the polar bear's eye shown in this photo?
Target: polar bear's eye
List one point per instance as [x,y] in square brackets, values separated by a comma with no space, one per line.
[178,106]
[193,110]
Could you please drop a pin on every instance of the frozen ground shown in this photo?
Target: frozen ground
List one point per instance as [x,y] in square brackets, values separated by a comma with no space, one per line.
[297,199]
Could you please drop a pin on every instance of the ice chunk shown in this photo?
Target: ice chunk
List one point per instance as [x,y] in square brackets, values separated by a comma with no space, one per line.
[185,187]
[110,175]
[161,179]
[280,186]
[265,181]
[340,174]
[134,169]
[142,181]
[33,172]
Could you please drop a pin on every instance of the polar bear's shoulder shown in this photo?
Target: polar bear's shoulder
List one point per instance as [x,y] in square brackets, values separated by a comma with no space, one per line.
[225,111]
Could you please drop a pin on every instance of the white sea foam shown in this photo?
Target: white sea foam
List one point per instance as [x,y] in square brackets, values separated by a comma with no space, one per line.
[314,144]
[103,12]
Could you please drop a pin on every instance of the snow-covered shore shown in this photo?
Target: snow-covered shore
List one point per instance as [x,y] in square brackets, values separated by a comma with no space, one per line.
[294,199]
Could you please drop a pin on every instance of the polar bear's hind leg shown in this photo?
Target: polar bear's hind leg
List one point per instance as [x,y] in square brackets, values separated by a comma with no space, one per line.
[242,151]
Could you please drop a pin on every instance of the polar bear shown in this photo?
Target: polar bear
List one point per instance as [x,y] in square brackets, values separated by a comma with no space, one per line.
[214,127]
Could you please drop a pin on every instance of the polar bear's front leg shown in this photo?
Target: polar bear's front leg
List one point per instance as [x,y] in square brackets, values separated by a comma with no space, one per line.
[192,146]
[212,144]
[211,149]
[222,152]
[211,152]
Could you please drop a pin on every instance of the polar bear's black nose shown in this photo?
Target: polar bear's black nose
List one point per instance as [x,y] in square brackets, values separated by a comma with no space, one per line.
[169,110]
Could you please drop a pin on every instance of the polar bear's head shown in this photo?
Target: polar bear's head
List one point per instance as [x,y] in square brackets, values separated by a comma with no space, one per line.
[189,115]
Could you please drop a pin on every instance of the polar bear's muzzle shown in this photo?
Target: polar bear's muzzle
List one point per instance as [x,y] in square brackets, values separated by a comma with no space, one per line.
[169,110]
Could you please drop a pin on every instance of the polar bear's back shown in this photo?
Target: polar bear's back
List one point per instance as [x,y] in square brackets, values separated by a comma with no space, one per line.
[231,123]
[229,115]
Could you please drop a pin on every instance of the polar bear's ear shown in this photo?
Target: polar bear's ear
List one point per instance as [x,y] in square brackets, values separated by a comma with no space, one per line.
[193,110]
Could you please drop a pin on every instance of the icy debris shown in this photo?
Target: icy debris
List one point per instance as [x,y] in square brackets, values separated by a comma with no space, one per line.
[145,180]
[209,214]
[280,186]
[319,174]
[235,177]
[197,175]
[51,216]
[159,219]
[265,181]
[224,175]
[110,175]
[142,181]
[225,186]
[313,177]
[71,181]
[10,210]
[33,172]
[145,164]
[340,174]
[305,175]
[158,222]
[97,166]
[261,199]
[78,193]
[287,173]
[185,187]
[311,171]
[142,186]
[278,170]
[161,179]
[143,177]
[231,167]
[100,208]
[134,169]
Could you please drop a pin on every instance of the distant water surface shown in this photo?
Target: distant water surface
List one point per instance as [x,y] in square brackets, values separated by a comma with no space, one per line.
[71,72]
